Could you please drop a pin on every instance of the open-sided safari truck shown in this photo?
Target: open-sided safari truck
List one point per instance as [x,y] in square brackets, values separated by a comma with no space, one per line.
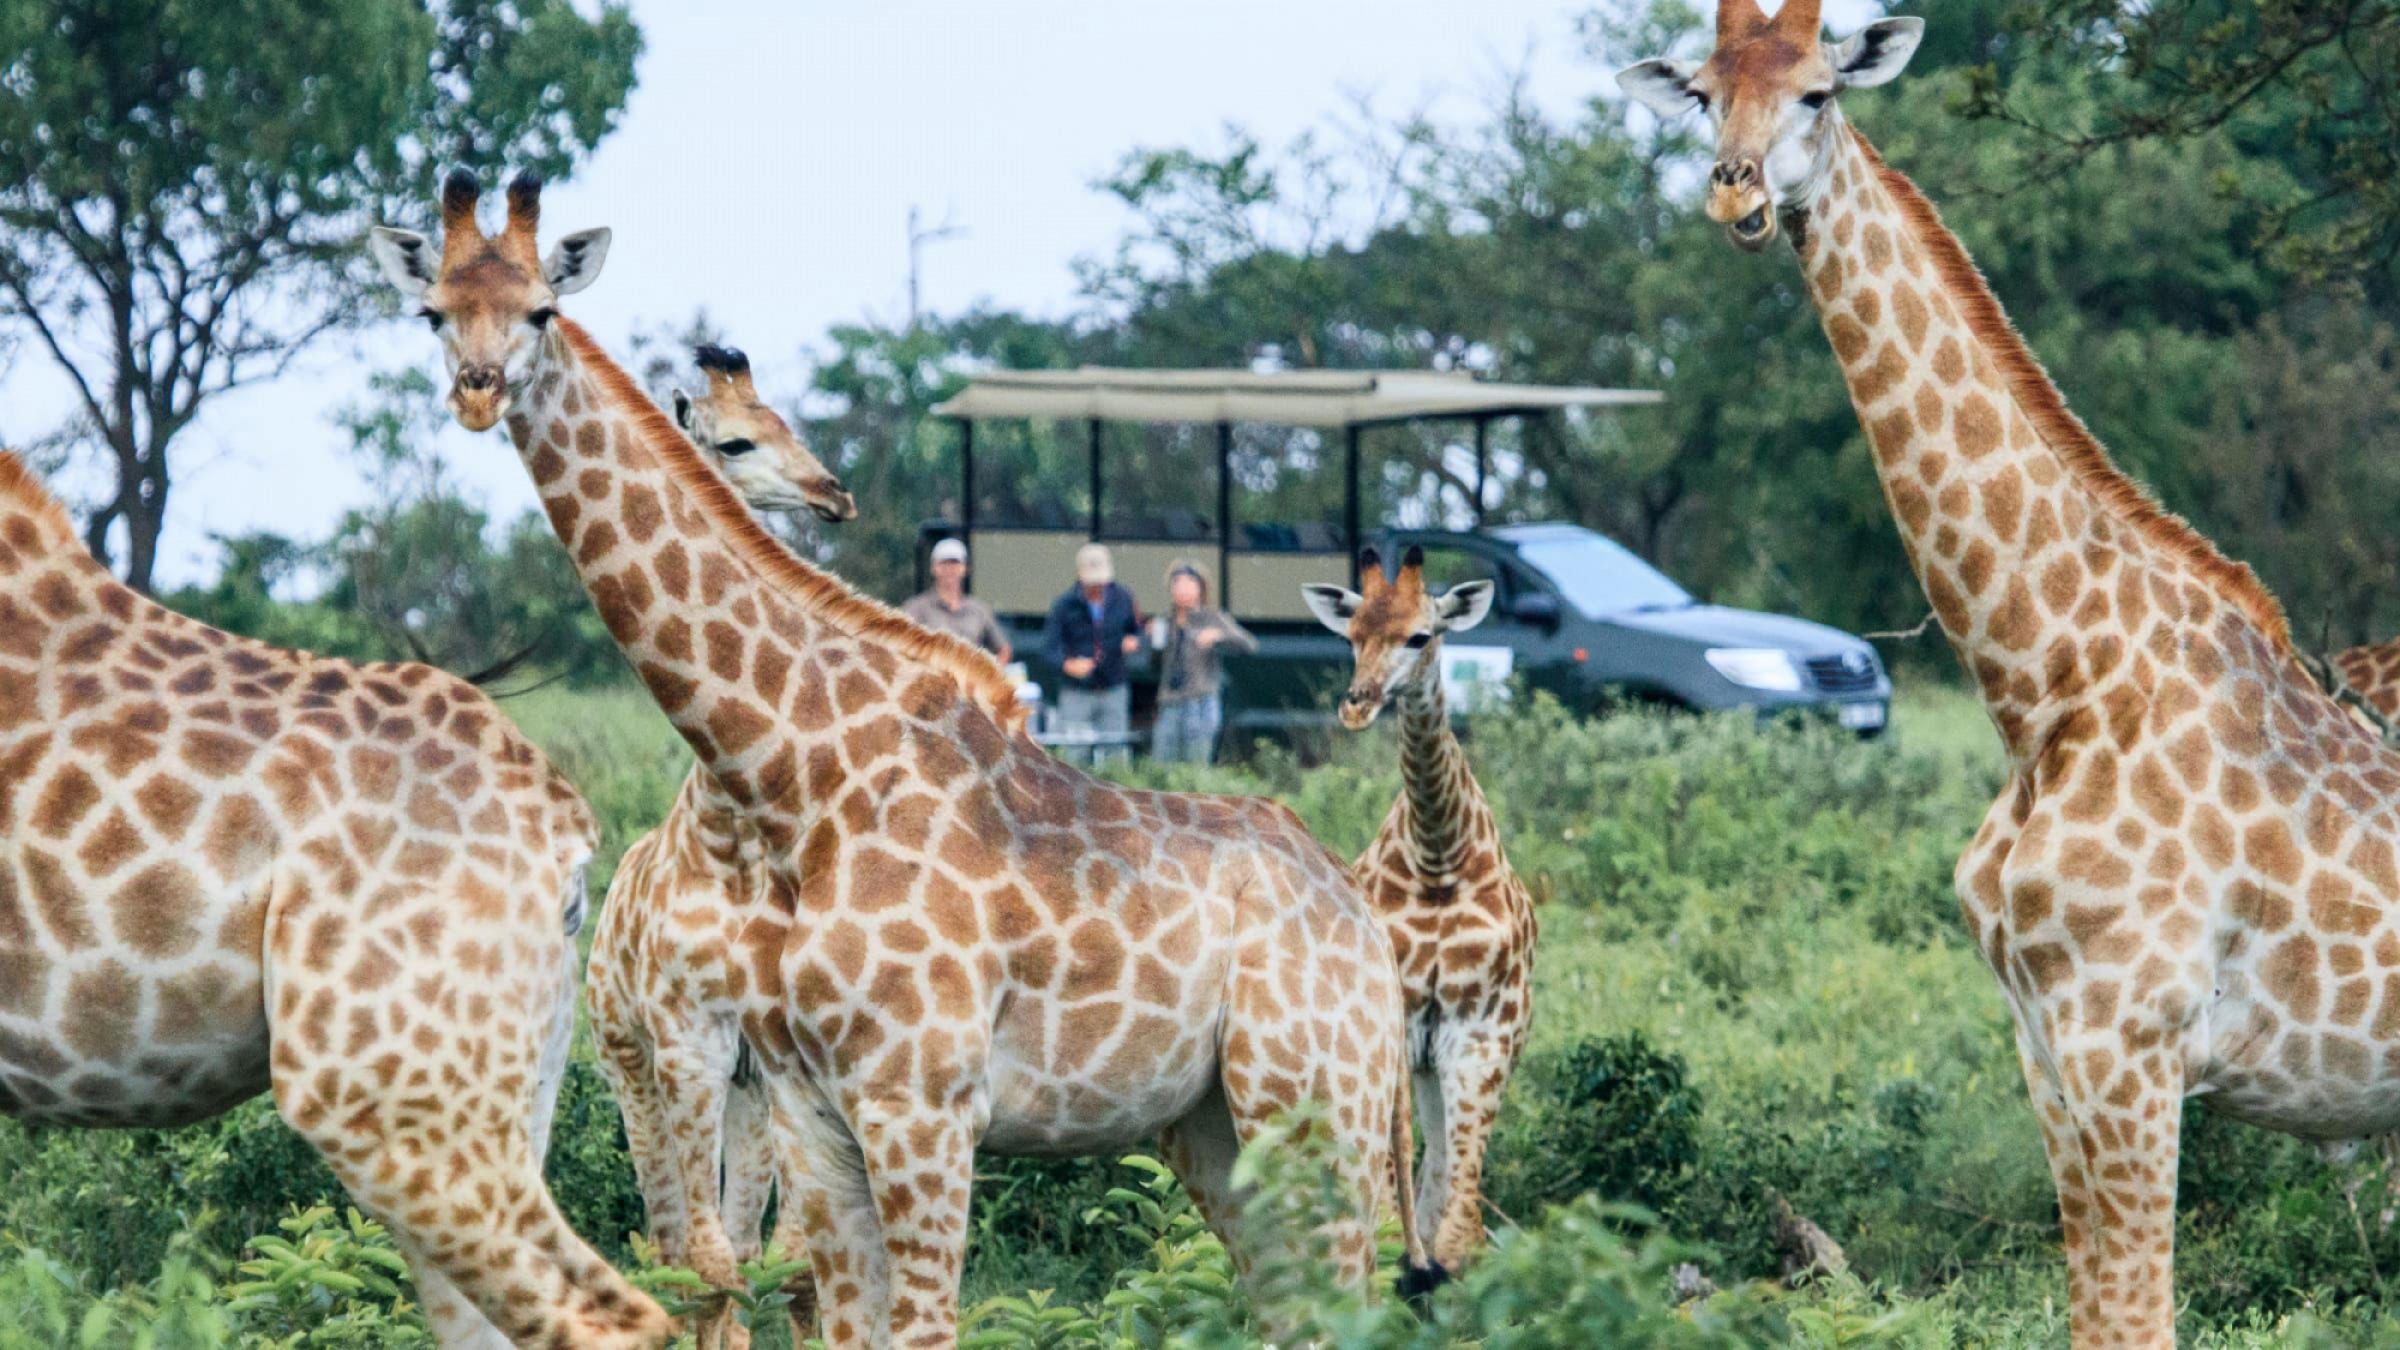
[1256,480]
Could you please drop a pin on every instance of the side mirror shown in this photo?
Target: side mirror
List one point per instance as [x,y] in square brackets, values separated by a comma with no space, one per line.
[1539,608]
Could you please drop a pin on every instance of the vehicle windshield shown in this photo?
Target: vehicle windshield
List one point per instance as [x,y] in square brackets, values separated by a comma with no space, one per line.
[1600,576]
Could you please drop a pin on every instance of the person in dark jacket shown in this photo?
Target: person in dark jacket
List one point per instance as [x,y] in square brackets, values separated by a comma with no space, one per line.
[1091,630]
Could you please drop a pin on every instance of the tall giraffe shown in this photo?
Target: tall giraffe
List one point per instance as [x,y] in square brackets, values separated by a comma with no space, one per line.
[989,948]
[2188,883]
[227,868]
[663,1010]
[1460,922]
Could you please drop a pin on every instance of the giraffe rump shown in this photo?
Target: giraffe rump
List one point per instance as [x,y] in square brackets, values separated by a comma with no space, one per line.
[2057,424]
[827,597]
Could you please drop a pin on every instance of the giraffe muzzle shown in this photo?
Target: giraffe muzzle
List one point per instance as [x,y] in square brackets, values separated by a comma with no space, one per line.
[832,502]
[1738,200]
[1359,707]
[479,396]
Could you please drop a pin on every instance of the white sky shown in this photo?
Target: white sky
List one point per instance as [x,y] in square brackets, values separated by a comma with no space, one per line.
[765,167]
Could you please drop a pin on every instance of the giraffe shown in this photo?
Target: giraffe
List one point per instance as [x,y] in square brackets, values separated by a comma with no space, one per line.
[657,985]
[2188,883]
[988,948]
[228,868]
[1461,923]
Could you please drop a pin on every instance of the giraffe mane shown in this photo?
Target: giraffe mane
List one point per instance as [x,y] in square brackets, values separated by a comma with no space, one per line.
[823,594]
[2058,425]
[21,485]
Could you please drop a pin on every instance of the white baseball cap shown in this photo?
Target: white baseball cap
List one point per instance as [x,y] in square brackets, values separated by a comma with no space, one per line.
[950,550]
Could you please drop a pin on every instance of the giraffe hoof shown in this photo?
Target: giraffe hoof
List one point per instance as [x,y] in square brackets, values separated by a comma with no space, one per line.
[1417,1283]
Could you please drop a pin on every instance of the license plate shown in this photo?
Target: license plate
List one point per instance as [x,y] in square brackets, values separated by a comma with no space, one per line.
[1862,716]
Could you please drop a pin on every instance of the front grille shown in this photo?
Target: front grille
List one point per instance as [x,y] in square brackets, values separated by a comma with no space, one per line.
[1838,675]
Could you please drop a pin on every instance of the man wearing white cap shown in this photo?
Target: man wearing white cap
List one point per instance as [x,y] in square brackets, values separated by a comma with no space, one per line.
[947,608]
[1091,630]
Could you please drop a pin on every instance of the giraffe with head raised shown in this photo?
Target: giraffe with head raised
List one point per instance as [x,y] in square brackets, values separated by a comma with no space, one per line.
[987,948]
[226,868]
[687,895]
[1461,923]
[2188,884]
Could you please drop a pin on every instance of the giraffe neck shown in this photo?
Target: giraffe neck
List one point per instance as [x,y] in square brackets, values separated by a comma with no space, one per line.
[1432,771]
[737,655]
[2039,556]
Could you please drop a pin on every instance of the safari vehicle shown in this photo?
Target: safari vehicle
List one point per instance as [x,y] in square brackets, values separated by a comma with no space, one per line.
[1242,474]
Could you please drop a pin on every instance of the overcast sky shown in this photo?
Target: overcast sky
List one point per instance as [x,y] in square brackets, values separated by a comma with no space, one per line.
[767,161]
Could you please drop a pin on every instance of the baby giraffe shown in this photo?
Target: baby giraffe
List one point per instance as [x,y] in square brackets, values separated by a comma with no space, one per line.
[1460,921]
[666,991]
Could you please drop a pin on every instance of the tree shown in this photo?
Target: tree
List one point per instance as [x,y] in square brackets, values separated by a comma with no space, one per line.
[2311,84]
[182,186]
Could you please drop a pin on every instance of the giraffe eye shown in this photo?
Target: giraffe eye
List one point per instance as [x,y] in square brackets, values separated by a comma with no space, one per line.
[1417,640]
[736,446]
[541,318]
[432,318]
[1815,98]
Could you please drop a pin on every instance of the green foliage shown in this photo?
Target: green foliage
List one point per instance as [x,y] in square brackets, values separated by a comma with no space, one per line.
[1612,1116]
[321,1282]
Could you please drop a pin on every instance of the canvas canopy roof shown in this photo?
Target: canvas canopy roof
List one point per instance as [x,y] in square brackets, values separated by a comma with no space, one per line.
[1299,398]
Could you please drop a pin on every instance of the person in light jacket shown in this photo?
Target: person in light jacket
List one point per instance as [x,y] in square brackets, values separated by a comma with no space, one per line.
[1192,643]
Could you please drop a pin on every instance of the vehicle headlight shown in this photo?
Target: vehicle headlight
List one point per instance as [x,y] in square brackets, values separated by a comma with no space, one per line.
[1757,668]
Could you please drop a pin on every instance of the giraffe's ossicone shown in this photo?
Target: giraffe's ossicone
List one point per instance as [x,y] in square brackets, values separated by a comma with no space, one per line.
[226,868]
[2191,881]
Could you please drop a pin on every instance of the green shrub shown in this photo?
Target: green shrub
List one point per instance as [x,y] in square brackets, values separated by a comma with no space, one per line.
[1612,1116]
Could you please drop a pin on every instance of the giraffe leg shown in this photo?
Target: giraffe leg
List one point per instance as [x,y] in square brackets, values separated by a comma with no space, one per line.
[829,1212]
[920,1163]
[2110,1123]
[749,1166]
[1358,1111]
[749,1180]
[790,1239]
[625,1063]
[1472,1078]
[457,1324]
[1201,1148]
[1433,1178]
[440,1147]
[695,1069]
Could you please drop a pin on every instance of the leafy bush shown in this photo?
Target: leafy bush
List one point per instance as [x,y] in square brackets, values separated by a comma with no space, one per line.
[1610,1115]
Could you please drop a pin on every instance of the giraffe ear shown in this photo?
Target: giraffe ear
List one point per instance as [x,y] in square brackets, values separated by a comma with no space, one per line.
[575,262]
[1332,605]
[683,410]
[1464,606]
[1661,84]
[1877,53]
[405,256]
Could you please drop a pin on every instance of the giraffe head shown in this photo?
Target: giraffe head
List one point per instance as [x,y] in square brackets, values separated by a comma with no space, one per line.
[1769,88]
[754,447]
[488,297]
[1395,628]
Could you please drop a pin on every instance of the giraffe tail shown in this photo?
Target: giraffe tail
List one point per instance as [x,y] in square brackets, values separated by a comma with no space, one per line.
[1420,1275]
